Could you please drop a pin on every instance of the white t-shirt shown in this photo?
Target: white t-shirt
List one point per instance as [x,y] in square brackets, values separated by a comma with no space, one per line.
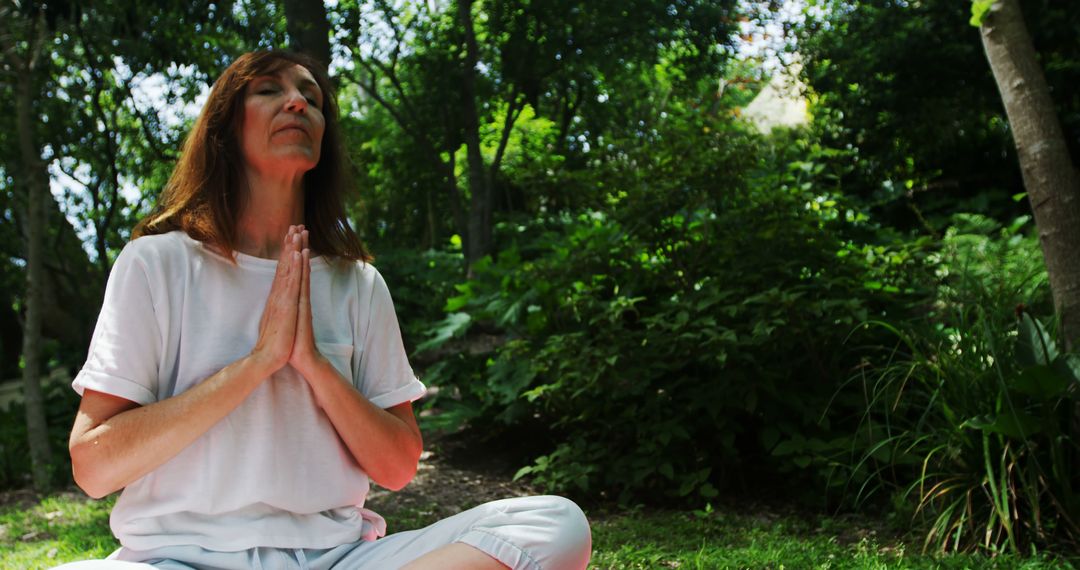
[273,472]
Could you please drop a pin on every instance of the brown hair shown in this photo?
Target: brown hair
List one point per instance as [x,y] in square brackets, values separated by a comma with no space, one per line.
[207,190]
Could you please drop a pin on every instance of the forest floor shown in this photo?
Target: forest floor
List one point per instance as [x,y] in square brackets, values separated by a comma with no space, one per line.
[451,478]
[40,532]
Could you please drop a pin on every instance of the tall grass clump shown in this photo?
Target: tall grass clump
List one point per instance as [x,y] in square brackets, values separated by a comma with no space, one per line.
[970,418]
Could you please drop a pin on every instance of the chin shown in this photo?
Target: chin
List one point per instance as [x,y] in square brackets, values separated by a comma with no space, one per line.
[299,161]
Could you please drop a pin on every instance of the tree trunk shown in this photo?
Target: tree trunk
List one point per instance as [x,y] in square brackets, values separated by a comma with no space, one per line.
[1052,183]
[308,29]
[71,287]
[461,222]
[479,242]
[35,181]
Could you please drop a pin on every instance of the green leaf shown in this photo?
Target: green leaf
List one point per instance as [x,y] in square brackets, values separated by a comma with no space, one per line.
[1017,224]
[790,446]
[456,303]
[979,8]
[1034,345]
[769,436]
[1068,367]
[667,471]
[508,377]
[1017,426]
[1042,382]
[453,325]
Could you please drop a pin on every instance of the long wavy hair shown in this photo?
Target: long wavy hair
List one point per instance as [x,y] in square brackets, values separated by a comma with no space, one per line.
[208,189]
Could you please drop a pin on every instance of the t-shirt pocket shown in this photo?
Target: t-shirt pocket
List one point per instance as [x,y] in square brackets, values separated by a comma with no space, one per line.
[340,355]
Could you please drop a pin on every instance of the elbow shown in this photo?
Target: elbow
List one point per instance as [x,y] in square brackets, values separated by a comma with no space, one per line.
[396,486]
[406,470]
[87,473]
[89,484]
[398,481]
[92,491]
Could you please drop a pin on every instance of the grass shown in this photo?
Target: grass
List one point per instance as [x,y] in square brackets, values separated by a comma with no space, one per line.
[68,527]
[58,529]
[729,540]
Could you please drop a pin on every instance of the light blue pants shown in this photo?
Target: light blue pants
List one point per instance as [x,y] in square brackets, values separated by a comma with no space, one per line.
[526,533]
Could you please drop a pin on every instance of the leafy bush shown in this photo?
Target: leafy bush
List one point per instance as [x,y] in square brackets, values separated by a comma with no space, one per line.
[60,405]
[672,340]
[420,282]
[970,418]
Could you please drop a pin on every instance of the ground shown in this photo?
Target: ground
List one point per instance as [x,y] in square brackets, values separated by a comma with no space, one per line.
[449,480]
[458,473]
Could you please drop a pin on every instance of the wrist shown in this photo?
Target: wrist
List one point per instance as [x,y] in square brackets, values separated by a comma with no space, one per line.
[262,364]
[309,365]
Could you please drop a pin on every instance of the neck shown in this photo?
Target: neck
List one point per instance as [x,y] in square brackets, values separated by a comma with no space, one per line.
[274,203]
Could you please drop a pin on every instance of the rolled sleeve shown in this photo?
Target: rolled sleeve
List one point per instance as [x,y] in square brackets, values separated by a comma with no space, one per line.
[126,346]
[383,373]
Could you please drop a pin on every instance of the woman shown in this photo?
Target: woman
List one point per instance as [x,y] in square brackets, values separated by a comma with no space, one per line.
[247,375]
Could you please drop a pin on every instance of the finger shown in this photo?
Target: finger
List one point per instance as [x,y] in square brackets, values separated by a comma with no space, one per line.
[288,237]
[281,290]
[283,264]
[281,277]
[297,242]
[295,275]
[305,282]
[303,317]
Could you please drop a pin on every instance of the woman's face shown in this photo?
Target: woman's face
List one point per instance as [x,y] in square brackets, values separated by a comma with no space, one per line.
[283,122]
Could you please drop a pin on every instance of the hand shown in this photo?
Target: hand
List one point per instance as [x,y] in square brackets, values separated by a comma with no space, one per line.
[305,354]
[277,327]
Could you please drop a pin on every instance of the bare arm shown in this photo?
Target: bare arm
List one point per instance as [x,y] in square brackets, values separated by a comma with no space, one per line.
[386,443]
[115,441]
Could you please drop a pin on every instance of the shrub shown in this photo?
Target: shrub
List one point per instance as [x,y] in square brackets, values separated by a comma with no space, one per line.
[969,419]
[60,405]
[672,341]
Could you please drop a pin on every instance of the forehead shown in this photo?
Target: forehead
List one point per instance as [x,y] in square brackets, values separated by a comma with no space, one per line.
[294,73]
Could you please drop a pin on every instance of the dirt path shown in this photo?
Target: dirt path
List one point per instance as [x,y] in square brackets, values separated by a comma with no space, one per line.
[450,480]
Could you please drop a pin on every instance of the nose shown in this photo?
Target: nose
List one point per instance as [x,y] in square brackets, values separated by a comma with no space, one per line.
[296,101]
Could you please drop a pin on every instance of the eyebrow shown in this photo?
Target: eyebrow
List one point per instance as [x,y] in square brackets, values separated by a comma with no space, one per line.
[302,84]
[309,83]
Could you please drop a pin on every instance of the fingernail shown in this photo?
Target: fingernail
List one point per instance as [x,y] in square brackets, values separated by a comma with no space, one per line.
[296,255]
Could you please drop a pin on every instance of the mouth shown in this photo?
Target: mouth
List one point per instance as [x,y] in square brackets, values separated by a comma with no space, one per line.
[288,128]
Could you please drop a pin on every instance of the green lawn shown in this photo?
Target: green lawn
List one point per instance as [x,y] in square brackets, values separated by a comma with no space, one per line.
[63,528]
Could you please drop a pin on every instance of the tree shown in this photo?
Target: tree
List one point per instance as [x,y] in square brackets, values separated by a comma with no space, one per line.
[458,77]
[309,31]
[905,85]
[1050,176]
[77,119]
[24,56]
